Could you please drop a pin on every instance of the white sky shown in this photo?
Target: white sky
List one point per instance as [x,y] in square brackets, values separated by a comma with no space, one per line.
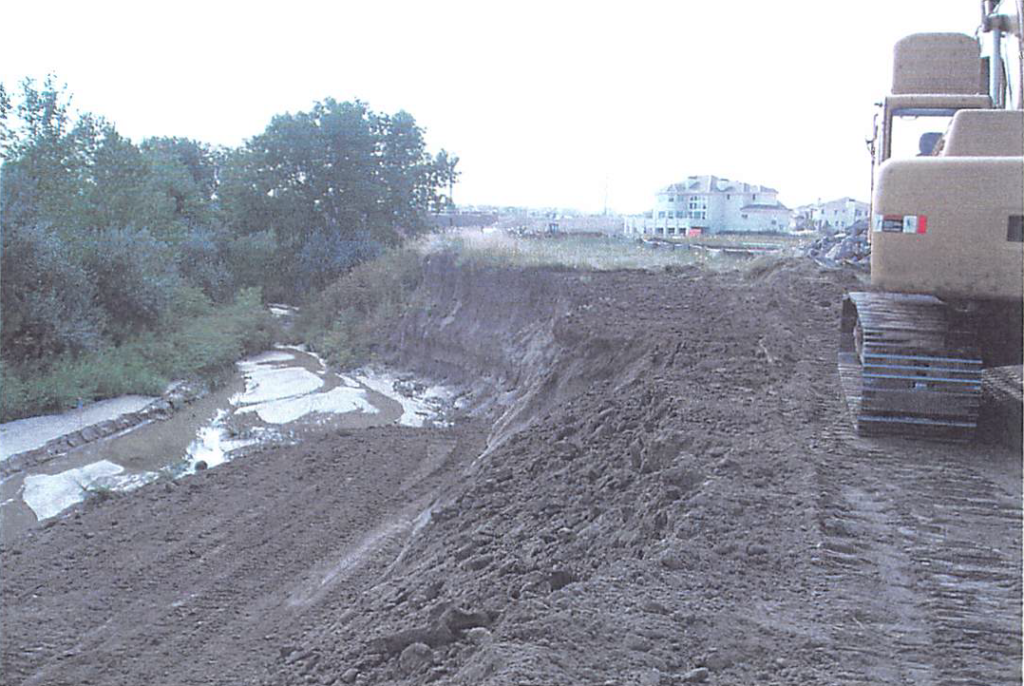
[544,102]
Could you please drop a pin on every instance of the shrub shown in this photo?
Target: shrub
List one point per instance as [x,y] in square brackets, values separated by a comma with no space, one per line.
[204,343]
[326,255]
[342,322]
[201,262]
[46,297]
[252,259]
[135,276]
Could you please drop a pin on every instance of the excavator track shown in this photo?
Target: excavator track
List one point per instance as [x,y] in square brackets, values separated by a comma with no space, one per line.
[910,367]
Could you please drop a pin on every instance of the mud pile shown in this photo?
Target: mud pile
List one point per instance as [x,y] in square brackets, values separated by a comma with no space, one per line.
[641,511]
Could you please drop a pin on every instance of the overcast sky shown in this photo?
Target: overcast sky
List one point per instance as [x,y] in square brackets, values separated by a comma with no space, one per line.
[546,103]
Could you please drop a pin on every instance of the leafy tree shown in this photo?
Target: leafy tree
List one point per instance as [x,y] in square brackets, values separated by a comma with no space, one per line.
[185,171]
[336,184]
[252,260]
[444,174]
[202,262]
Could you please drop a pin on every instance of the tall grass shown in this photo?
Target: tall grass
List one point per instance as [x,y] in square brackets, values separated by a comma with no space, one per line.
[343,323]
[574,252]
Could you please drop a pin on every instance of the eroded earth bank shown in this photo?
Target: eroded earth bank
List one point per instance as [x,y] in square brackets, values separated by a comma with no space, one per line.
[655,482]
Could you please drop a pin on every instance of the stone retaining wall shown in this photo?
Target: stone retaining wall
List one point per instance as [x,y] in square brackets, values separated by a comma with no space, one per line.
[174,399]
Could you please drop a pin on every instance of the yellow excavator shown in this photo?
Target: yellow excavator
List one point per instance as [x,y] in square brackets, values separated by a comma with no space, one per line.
[946,235]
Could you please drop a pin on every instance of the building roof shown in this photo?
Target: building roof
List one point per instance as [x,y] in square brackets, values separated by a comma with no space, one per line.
[711,183]
[840,201]
[714,184]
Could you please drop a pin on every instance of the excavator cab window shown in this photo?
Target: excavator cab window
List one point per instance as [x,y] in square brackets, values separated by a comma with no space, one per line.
[917,132]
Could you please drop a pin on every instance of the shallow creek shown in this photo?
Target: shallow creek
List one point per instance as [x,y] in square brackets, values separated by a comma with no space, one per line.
[274,399]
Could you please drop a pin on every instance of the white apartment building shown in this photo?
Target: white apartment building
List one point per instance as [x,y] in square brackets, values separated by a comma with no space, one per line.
[838,214]
[709,204]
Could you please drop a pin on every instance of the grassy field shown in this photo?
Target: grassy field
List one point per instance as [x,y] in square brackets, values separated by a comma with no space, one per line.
[602,253]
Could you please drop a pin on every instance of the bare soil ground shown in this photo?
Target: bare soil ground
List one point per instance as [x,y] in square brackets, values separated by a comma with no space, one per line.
[658,484]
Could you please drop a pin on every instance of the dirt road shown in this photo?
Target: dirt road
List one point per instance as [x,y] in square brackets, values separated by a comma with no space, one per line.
[657,485]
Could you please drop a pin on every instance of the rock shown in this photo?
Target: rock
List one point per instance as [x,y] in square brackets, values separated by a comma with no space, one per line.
[90,434]
[350,675]
[672,560]
[434,636]
[651,677]
[201,465]
[757,549]
[638,643]
[684,476]
[478,635]
[456,619]
[719,660]
[654,607]
[477,563]
[415,657]
[561,578]
[697,675]
[106,428]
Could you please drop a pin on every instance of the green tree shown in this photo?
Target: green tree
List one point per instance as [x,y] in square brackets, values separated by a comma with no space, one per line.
[337,184]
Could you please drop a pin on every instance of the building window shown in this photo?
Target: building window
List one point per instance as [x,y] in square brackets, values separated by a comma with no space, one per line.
[698,207]
[755,196]
[744,216]
[661,215]
[671,198]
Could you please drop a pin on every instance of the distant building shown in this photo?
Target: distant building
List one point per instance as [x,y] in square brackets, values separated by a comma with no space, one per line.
[837,214]
[709,204]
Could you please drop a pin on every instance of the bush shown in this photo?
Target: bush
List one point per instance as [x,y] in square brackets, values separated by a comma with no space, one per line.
[326,255]
[12,392]
[201,262]
[203,344]
[46,297]
[252,260]
[342,323]
[135,277]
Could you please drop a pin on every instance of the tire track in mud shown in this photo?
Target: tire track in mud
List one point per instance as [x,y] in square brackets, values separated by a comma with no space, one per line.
[921,543]
[196,589]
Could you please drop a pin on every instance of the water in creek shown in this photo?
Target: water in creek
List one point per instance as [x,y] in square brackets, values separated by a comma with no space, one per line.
[274,399]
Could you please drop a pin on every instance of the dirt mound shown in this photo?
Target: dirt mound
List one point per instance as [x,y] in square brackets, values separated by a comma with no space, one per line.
[641,484]
[656,485]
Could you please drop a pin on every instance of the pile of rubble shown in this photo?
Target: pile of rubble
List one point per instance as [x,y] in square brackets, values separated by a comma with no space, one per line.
[847,246]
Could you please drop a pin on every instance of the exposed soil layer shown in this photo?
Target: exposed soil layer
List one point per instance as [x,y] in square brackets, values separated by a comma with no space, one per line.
[657,484]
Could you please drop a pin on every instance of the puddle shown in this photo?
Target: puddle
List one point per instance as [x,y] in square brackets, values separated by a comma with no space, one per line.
[49,495]
[275,397]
